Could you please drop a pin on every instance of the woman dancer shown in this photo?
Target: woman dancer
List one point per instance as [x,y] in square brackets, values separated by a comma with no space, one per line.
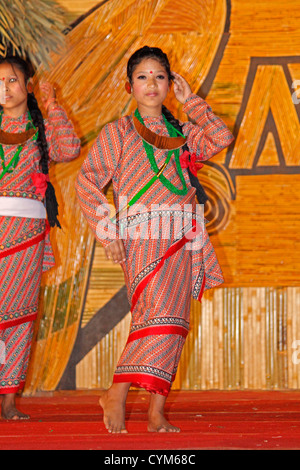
[161,272]
[28,208]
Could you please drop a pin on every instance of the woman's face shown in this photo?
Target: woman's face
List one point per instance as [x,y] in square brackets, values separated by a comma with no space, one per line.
[150,86]
[15,89]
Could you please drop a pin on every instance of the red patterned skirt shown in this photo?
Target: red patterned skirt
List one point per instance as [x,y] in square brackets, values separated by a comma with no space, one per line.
[162,274]
[22,254]
[15,352]
[160,296]
[160,324]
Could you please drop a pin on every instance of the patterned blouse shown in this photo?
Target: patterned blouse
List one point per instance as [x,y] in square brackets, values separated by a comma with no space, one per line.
[63,145]
[118,154]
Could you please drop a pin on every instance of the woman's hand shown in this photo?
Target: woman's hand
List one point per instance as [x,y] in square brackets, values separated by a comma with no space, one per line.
[182,89]
[115,251]
[48,95]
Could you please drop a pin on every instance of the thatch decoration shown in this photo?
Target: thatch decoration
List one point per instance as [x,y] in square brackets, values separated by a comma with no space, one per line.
[32,29]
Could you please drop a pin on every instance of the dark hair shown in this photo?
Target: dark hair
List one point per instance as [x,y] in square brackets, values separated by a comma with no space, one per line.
[148,53]
[37,118]
[157,54]
[200,193]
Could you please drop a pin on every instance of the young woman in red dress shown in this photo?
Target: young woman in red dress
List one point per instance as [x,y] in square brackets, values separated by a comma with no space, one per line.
[150,157]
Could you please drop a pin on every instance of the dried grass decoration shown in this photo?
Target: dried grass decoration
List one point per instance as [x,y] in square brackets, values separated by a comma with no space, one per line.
[33,29]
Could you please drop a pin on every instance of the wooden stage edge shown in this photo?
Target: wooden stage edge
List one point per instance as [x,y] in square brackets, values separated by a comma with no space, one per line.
[209,420]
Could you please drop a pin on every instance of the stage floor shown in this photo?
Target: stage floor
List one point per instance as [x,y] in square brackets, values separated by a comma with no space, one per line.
[210,420]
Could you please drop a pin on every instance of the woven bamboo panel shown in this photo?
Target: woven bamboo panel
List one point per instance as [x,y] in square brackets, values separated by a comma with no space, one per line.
[76,8]
[240,338]
[93,70]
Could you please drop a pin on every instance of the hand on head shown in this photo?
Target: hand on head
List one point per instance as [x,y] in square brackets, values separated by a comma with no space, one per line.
[182,89]
[48,94]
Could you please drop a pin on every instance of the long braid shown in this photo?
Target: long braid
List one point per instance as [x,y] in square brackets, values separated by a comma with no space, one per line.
[38,121]
[200,193]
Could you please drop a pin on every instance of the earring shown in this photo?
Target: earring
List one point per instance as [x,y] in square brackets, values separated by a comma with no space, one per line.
[29,86]
[128,88]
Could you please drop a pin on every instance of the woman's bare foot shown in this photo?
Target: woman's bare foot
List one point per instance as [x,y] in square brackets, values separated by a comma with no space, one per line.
[158,423]
[113,404]
[156,420]
[9,410]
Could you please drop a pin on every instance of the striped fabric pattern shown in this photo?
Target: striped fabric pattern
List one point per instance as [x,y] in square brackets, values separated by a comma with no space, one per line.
[18,233]
[160,311]
[118,155]
[17,342]
[159,326]
[63,144]
[20,272]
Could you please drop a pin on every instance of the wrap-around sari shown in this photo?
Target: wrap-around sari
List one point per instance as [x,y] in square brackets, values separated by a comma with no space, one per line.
[169,257]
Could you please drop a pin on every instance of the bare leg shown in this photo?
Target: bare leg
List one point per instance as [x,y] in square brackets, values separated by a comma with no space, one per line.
[9,410]
[156,419]
[113,402]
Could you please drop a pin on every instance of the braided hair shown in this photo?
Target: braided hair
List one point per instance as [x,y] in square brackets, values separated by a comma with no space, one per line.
[37,118]
[147,52]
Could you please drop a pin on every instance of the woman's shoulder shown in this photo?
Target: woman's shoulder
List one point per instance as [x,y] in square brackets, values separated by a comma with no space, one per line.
[120,125]
[114,133]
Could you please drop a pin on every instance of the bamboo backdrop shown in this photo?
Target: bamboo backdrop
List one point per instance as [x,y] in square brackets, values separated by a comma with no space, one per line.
[242,334]
[239,339]
[77,8]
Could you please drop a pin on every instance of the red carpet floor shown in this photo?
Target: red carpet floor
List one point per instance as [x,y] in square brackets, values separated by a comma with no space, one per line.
[210,420]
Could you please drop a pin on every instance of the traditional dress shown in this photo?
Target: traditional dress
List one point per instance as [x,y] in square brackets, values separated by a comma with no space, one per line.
[163,268]
[25,250]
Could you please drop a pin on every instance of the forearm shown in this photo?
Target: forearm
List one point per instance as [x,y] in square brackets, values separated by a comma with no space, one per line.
[210,135]
[64,144]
